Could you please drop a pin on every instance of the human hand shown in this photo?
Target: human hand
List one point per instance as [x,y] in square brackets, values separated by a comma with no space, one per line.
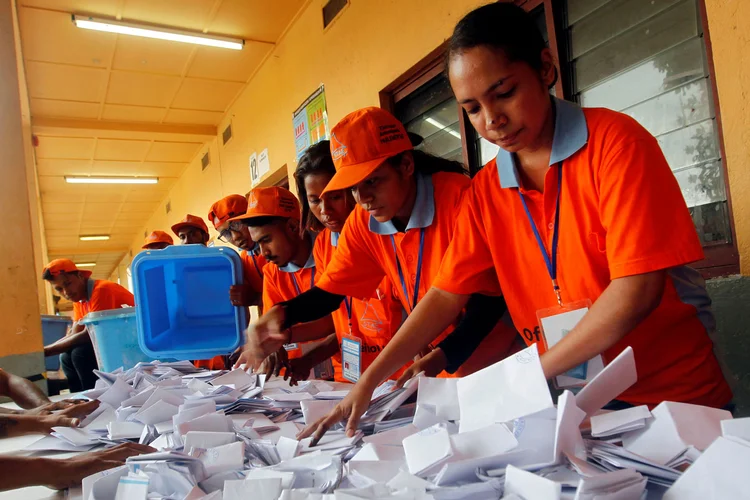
[264,337]
[48,408]
[298,369]
[80,410]
[352,407]
[431,364]
[73,470]
[19,425]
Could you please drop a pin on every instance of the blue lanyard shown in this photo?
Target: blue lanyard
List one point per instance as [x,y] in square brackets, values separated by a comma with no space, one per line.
[551,262]
[296,285]
[419,270]
[348,304]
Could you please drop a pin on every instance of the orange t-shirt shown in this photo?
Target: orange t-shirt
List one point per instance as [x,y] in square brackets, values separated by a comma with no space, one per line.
[106,295]
[374,320]
[252,270]
[621,214]
[365,255]
[281,285]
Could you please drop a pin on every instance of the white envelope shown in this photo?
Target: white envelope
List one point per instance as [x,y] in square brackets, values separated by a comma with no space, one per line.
[375,452]
[160,394]
[616,422]
[287,478]
[160,411]
[509,389]
[257,489]
[51,443]
[427,449]
[140,398]
[239,378]
[206,440]
[314,409]
[103,485]
[76,437]
[675,426]
[393,437]
[286,429]
[721,472]
[616,377]
[567,430]
[738,427]
[530,486]
[212,422]
[224,458]
[116,393]
[489,441]
[99,418]
[440,394]
[380,471]
[132,487]
[287,448]
[124,430]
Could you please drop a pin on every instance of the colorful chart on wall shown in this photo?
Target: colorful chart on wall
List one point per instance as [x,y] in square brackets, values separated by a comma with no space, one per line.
[310,122]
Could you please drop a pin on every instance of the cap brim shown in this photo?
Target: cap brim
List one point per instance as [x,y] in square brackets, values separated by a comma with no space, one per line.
[181,225]
[257,215]
[86,274]
[348,176]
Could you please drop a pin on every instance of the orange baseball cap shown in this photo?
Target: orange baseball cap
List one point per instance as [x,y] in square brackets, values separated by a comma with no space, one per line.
[58,266]
[230,206]
[157,237]
[191,221]
[271,202]
[361,142]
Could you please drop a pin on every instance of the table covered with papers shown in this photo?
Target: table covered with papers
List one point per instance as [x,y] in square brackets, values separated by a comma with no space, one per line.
[231,435]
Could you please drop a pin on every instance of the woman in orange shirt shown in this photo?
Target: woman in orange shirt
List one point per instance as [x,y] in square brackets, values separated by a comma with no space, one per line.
[579,213]
[407,204]
[364,325]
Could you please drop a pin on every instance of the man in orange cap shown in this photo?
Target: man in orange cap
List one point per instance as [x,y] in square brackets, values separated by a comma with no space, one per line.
[236,233]
[273,219]
[75,349]
[191,230]
[157,240]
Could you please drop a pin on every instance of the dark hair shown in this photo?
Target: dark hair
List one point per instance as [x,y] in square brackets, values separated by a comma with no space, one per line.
[502,26]
[316,160]
[48,276]
[263,221]
[428,164]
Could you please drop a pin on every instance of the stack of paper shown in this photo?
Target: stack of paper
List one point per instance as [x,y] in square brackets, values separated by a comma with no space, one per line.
[617,422]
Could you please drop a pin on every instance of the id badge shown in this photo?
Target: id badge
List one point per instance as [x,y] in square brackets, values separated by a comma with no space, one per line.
[291,347]
[351,356]
[555,323]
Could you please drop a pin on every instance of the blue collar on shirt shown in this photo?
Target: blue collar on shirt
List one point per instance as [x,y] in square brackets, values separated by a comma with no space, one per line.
[571,134]
[421,215]
[335,239]
[291,267]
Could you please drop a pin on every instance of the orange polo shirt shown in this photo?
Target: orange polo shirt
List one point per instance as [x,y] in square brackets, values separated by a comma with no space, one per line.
[365,255]
[252,269]
[106,295]
[374,320]
[282,284]
[621,214]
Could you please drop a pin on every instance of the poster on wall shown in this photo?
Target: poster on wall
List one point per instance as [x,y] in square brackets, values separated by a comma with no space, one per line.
[310,122]
[254,174]
[264,165]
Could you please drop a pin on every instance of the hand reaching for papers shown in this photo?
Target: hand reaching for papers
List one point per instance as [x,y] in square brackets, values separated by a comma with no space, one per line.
[77,468]
[351,408]
[264,337]
[431,364]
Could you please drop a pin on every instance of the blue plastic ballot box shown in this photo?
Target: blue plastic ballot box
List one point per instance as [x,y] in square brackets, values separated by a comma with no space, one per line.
[183,310]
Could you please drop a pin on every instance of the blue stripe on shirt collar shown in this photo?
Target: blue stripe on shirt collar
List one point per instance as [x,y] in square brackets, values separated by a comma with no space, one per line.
[422,214]
[571,134]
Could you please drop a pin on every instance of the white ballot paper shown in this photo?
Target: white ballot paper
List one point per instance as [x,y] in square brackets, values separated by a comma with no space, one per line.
[530,486]
[676,426]
[617,422]
[509,389]
[427,449]
[609,383]
[738,428]
[721,472]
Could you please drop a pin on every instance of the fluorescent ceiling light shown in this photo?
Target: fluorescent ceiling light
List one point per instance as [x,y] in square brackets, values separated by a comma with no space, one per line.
[172,35]
[439,125]
[111,180]
[95,237]
[86,264]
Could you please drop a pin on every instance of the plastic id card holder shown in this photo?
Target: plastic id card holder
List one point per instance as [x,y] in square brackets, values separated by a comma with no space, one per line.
[555,323]
[351,356]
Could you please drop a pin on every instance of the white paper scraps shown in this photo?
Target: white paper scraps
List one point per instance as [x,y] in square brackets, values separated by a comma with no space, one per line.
[512,388]
[530,486]
[616,377]
[617,422]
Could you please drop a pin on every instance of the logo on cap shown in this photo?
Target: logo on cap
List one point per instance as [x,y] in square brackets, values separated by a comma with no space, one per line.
[252,202]
[338,150]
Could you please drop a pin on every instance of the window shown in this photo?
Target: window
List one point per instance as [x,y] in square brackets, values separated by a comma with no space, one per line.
[648,59]
[645,58]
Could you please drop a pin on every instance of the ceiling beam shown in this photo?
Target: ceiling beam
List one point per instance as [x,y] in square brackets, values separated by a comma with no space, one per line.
[65,127]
